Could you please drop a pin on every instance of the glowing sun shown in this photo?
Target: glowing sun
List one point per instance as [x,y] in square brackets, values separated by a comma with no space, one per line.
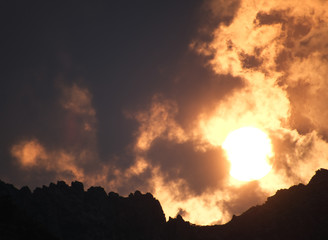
[248,150]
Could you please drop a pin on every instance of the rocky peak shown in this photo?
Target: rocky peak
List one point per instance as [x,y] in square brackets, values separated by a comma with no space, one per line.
[69,212]
[77,186]
[320,177]
[96,193]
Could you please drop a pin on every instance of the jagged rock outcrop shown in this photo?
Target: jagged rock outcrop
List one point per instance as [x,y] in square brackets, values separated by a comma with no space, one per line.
[69,212]
[65,212]
[15,223]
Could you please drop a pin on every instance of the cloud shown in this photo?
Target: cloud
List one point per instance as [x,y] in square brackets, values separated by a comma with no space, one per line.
[307,88]
[224,10]
[240,198]
[201,170]
[214,13]
[77,100]
[209,207]
[78,117]
[157,121]
[298,156]
[31,154]
[76,157]
[78,150]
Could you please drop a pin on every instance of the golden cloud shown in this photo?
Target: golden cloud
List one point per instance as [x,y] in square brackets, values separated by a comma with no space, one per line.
[158,121]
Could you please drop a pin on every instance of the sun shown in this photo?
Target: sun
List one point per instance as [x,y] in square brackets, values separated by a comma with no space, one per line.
[248,150]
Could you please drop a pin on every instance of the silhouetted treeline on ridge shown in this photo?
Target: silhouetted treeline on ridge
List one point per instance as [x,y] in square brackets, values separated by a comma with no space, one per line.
[69,212]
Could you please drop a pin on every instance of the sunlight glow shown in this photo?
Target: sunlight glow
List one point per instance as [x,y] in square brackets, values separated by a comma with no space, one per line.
[248,150]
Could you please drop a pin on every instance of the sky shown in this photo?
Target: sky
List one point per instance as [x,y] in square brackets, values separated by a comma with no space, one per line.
[140,95]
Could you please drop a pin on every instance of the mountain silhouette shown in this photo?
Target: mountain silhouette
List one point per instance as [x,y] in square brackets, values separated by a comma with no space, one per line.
[60,211]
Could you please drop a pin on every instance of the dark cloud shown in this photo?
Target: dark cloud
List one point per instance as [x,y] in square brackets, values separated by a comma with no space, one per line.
[249,194]
[182,213]
[291,151]
[197,89]
[201,171]
[141,182]
[111,49]
[250,61]
[298,119]
[212,14]
[293,28]
[273,17]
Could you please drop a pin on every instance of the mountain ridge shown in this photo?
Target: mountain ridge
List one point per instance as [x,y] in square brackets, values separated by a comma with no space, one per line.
[60,211]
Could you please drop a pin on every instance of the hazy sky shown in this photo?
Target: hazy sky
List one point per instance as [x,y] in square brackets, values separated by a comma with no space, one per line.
[141,95]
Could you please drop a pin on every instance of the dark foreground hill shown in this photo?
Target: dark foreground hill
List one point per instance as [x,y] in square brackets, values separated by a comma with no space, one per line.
[69,212]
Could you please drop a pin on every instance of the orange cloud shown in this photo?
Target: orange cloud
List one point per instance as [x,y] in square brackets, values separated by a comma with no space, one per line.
[32,154]
[77,100]
[29,153]
[67,162]
[78,158]
[158,121]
